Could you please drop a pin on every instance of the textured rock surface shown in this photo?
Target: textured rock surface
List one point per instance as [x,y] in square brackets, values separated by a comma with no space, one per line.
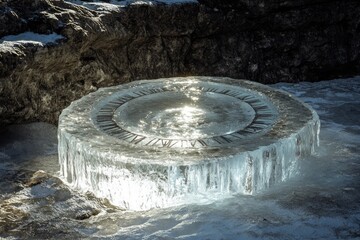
[265,41]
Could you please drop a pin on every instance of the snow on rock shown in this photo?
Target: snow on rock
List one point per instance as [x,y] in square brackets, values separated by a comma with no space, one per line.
[15,44]
[100,6]
[114,5]
[31,37]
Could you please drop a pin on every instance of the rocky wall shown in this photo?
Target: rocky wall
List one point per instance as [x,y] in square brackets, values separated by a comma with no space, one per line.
[265,41]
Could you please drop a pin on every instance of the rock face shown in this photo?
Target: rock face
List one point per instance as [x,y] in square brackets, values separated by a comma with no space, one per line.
[266,41]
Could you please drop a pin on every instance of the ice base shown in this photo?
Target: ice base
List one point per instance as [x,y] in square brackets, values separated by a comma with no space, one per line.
[102,150]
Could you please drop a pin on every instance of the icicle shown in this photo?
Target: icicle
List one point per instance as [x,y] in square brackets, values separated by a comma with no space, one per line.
[144,178]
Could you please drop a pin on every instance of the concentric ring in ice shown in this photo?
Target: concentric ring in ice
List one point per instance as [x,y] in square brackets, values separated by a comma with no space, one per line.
[158,143]
[184,114]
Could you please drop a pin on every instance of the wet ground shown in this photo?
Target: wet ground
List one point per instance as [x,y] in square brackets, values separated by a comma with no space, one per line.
[321,202]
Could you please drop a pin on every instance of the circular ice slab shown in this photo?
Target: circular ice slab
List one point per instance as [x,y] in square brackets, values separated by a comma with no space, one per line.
[183,114]
[164,142]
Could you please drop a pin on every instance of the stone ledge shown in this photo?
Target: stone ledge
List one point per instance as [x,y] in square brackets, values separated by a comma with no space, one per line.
[264,41]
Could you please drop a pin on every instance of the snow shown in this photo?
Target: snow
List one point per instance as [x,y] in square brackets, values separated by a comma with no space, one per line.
[7,42]
[114,5]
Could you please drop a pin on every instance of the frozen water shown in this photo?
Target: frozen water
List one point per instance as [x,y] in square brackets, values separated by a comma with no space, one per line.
[174,115]
[161,143]
[184,114]
[321,202]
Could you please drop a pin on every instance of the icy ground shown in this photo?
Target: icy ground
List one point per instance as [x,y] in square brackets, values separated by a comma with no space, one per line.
[321,202]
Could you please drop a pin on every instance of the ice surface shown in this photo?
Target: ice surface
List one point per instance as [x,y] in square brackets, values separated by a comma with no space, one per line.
[321,202]
[139,165]
[178,116]
[37,141]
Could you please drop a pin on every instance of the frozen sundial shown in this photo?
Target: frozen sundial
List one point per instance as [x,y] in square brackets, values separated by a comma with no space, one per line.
[183,114]
[159,143]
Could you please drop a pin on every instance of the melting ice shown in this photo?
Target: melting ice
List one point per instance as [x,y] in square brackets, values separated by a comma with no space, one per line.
[320,202]
[232,138]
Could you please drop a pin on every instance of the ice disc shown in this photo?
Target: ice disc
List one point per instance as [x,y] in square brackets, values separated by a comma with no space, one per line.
[155,143]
